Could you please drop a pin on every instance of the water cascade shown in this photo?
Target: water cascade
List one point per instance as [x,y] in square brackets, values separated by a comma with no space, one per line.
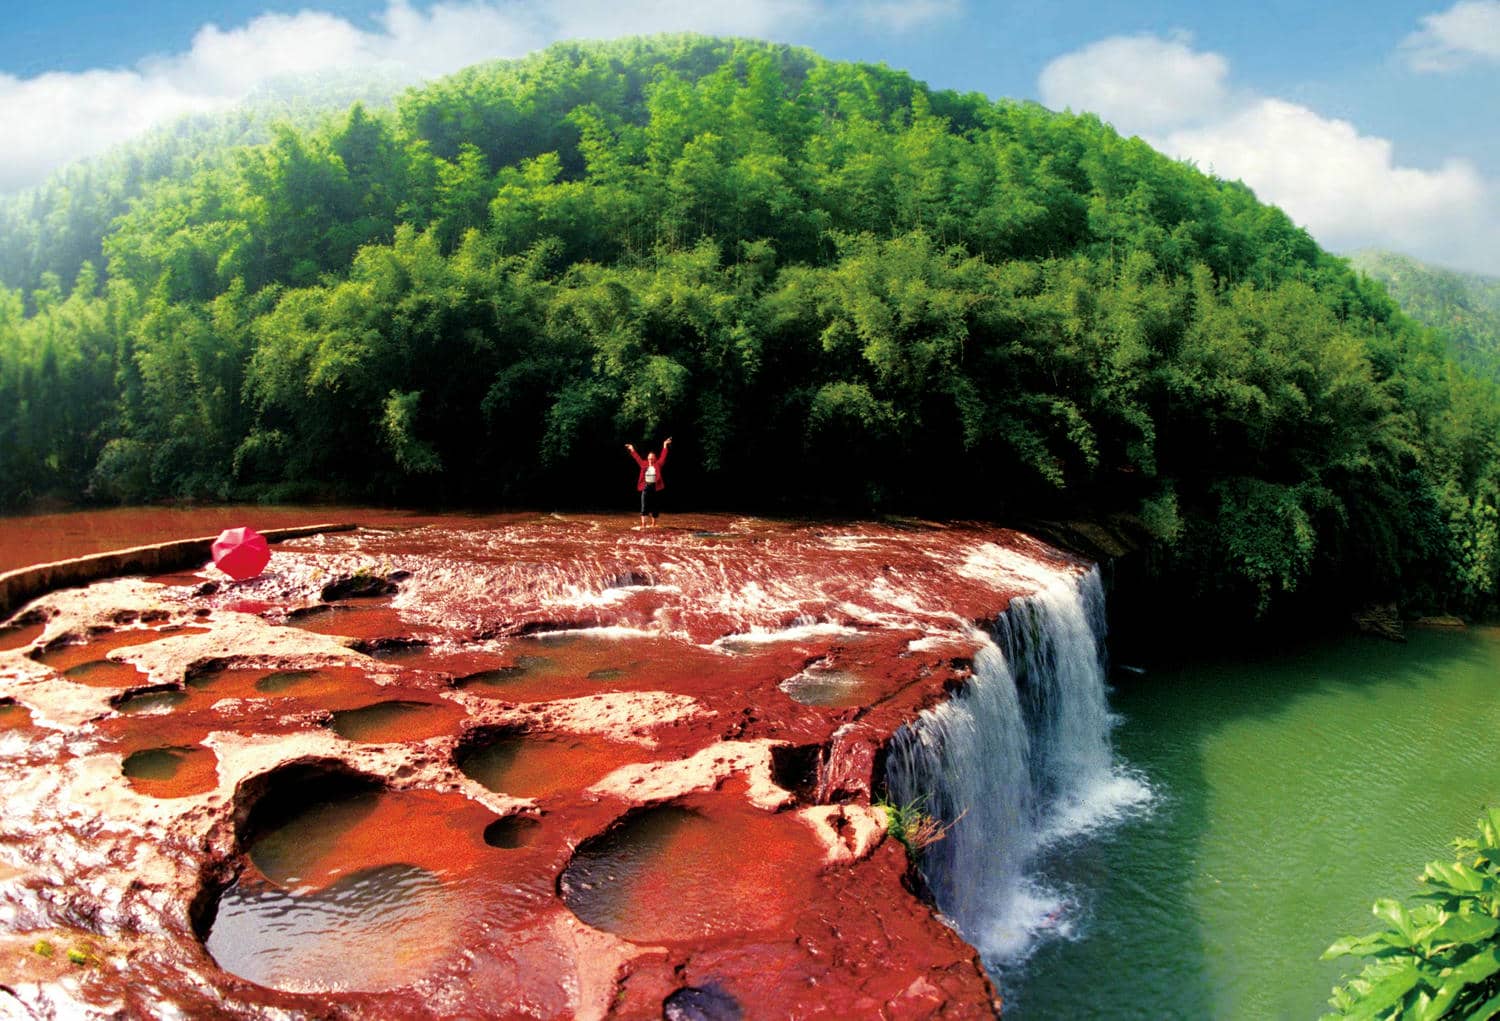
[1017,760]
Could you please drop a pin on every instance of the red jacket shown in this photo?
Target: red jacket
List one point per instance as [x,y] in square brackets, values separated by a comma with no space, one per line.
[661,459]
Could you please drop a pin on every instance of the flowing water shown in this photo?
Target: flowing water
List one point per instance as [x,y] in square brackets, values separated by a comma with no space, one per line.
[1291,790]
[1184,846]
[1017,763]
[1192,856]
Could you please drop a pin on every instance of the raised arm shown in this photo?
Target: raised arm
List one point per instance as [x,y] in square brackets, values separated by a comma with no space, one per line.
[664,448]
[638,459]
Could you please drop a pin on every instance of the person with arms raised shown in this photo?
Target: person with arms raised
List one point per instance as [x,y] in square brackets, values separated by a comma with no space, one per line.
[650,482]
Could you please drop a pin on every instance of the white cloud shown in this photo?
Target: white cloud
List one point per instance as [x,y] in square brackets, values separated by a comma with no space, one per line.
[1464,34]
[608,19]
[1345,187]
[1138,83]
[905,15]
[55,118]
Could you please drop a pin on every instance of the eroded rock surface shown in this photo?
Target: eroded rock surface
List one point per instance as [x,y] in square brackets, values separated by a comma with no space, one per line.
[546,767]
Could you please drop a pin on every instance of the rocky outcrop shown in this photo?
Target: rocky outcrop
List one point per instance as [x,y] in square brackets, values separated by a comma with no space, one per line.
[24,583]
[662,810]
[1382,620]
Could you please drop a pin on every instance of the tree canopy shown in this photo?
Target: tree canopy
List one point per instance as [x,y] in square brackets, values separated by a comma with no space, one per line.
[840,290]
[1463,307]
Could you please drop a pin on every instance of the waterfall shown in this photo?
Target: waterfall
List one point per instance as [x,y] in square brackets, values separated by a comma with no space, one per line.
[1019,758]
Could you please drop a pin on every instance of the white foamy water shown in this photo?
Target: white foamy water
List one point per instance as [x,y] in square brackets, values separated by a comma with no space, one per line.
[705,585]
[1019,760]
[794,633]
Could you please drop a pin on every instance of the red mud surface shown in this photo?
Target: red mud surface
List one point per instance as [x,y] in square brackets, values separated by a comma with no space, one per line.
[553,768]
[43,538]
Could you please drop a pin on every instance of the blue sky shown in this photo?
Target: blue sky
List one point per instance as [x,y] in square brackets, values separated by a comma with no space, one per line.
[1370,123]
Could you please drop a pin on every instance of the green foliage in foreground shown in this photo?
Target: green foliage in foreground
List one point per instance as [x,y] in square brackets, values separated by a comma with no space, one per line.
[1440,959]
[840,291]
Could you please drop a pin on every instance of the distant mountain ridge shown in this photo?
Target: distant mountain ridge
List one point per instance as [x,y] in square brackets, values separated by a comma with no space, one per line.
[1465,307]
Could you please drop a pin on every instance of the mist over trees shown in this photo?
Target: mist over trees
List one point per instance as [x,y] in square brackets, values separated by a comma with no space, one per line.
[60,224]
[838,289]
[1463,307]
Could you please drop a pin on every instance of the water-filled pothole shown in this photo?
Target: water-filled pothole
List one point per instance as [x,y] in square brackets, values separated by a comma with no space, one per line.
[528,678]
[512,832]
[822,686]
[364,931]
[151,701]
[14,716]
[499,677]
[538,766]
[18,636]
[363,621]
[330,687]
[350,887]
[551,666]
[280,681]
[676,873]
[708,1002]
[174,771]
[397,720]
[63,658]
[104,673]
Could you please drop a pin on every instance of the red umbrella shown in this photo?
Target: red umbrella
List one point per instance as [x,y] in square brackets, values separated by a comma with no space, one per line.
[241,553]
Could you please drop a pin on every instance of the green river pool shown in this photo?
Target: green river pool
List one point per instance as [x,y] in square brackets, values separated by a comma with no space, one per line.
[1292,788]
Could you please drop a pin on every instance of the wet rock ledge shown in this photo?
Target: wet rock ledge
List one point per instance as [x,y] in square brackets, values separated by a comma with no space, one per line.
[534,767]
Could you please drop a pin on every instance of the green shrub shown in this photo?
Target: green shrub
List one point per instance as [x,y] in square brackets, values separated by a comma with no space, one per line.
[1441,958]
[913,827]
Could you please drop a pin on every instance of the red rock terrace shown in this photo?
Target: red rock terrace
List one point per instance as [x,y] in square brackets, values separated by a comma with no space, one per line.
[535,766]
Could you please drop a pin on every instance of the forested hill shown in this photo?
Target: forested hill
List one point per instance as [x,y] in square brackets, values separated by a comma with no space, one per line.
[1464,307]
[838,290]
[60,224]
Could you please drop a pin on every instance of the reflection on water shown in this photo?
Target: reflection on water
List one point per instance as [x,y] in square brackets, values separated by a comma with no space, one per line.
[18,636]
[527,766]
[172,772]
[396,720]
[675,873]
[571,664]
[104,673]
[285,680]
[512,832]
[356,889]
[353,620]
[152,701]
[505,678]
[370,930]
[312,846]
[1299,785]
[333,687]
[822,687]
